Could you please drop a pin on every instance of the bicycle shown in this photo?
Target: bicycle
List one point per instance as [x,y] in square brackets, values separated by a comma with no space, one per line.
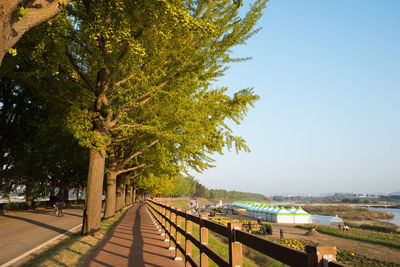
[59,209]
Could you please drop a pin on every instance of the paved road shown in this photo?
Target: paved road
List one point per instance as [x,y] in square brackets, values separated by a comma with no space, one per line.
[23,231]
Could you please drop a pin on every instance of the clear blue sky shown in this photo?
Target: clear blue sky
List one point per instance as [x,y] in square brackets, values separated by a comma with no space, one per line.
[328,74]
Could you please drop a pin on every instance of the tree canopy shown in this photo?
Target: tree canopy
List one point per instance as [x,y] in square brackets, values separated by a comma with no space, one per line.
[133,83]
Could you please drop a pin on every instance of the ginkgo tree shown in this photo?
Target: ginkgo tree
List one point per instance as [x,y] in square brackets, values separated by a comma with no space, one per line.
[120,58]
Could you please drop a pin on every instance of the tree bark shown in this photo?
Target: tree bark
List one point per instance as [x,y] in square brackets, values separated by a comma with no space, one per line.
[28,193]
[65,191]
[111,194]
[77,193]
[12,28]
[94,193]
[128,198]
[120,196]
[134,195]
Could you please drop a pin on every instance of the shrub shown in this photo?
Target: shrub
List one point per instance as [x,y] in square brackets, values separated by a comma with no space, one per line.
[266,228]
[15,206]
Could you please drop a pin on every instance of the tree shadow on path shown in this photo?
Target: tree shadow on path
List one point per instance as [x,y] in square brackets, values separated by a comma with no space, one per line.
[44,225]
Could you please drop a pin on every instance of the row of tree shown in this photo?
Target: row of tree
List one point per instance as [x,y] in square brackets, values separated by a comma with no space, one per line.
[188,186]
[124,89]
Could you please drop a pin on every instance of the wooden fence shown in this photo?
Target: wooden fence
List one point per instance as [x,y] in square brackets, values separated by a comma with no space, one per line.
[169,221]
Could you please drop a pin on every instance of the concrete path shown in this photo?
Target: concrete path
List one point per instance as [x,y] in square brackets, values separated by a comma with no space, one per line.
[21,232]
[135,242]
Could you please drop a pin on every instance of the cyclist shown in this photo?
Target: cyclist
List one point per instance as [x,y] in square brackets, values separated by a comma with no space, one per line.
[60,207]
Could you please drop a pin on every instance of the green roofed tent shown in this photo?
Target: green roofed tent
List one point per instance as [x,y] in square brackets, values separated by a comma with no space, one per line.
[282,215]
[301,216]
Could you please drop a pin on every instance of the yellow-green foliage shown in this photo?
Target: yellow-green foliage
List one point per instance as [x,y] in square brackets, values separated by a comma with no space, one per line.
[21,12]
[12,51]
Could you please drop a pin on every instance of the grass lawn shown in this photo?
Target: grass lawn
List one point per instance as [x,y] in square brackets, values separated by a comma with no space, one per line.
[181,203]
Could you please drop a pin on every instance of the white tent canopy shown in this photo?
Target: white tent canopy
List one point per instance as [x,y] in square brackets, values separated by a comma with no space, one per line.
[278,214]
[284,216]
[301,216]
[326,220]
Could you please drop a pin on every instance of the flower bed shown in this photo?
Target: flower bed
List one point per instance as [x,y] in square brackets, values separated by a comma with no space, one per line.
[343,256]
[255,227]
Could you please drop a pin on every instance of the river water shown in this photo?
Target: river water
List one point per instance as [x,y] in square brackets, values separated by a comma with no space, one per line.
[396,212]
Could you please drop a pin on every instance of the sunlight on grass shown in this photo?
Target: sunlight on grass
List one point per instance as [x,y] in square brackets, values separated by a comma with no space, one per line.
[181,203]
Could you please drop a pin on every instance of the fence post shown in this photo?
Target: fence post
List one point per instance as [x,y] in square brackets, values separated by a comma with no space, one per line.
[167,226]
[318,254]
[158,211]
[203,241]
[178,253]
[154,208]
[172,229]
[235,248]
[163,212]
[188,244]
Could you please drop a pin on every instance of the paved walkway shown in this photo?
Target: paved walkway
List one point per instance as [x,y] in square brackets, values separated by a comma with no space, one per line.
[135,242]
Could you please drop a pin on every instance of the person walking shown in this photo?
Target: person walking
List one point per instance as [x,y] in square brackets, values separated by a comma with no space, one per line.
[281,233]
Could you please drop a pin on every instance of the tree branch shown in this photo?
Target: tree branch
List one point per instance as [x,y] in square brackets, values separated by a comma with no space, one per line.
[138,153]
[119,61]
[81,73]
[132,169]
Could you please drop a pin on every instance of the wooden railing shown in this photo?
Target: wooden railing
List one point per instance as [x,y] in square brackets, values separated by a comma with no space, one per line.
[169,221]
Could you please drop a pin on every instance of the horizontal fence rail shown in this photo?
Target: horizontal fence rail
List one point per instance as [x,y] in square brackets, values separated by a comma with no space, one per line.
[169,222]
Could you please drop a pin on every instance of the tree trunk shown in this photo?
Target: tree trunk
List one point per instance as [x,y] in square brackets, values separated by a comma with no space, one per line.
[3,152]
[120,199]
[134,195]
[2,54]
[94,192]
[111,194]
[28,193]
[65,191]
[128,198]
[77,189]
